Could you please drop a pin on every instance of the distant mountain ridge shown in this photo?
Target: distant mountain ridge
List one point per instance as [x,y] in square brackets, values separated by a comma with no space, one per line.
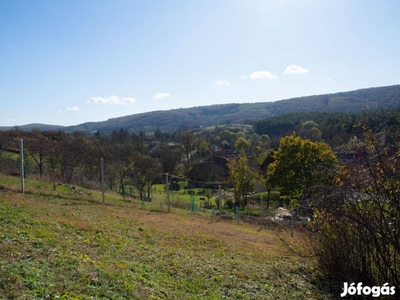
[369,99]
[350,102]
[38,126]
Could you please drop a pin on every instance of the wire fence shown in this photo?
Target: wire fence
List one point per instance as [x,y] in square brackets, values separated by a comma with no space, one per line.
[171,193]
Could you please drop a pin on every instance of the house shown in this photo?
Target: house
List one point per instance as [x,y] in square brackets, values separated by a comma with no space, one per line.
[268,160]
[213,171]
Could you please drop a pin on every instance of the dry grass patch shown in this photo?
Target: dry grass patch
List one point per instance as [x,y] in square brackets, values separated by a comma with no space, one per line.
[53,248]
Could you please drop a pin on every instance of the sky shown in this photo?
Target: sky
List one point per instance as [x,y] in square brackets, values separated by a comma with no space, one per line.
[66,62]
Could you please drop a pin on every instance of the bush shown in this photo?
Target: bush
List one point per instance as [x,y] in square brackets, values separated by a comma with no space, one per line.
[229,203]
[357,221]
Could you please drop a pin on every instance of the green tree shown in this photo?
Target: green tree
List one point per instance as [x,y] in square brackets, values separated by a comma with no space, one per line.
[265,141]
[187,141]
[241,134]
[242,177]
[158,134]
[242,144]
[228,138]
[300,165]
[309,130]
[203,147]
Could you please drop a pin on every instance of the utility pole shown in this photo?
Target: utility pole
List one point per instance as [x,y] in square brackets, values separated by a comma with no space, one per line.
[102,179]
[21,161]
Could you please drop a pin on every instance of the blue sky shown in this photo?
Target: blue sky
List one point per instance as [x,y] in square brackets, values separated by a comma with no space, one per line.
[66,62]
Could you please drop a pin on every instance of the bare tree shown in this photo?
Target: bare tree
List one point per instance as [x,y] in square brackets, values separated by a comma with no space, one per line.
[38,146]
[146,170]
[357,222]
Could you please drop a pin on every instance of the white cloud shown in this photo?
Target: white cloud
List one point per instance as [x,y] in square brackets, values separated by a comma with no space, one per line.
[262,75]
[161,96]
[113,99]
[293,69]
[74,108]
[221,83]
[128,101]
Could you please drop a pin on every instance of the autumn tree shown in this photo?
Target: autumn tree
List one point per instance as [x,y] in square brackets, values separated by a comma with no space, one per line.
[242,178]
[299,165]
[361,213]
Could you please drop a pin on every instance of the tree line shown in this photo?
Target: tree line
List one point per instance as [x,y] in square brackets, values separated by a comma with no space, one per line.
[336,128]
[139,159]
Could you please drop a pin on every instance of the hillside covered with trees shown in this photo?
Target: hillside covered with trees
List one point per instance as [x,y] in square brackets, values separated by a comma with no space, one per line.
[349,102]
[363,100]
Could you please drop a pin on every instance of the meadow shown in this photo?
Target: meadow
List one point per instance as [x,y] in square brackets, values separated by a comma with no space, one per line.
[64,243]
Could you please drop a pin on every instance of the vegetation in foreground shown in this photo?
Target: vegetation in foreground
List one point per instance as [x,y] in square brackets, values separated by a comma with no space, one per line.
[347,199]
[57,247]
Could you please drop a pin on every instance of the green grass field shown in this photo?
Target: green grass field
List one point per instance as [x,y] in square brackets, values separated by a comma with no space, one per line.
[65,244]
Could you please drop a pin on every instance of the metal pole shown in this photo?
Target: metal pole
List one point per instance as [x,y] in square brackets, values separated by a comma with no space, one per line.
[21,161]
[167,187]
[102,179]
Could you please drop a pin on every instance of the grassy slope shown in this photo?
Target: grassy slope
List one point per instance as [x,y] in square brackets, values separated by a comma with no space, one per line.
[65,245]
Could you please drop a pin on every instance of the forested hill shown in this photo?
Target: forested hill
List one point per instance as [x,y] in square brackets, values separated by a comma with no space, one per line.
[350,102]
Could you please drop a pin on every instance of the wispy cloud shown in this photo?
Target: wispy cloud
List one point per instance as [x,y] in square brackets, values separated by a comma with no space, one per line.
[262,75]
[221,83]
[113,99]
[161,96]
[293,69]
[74,108]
